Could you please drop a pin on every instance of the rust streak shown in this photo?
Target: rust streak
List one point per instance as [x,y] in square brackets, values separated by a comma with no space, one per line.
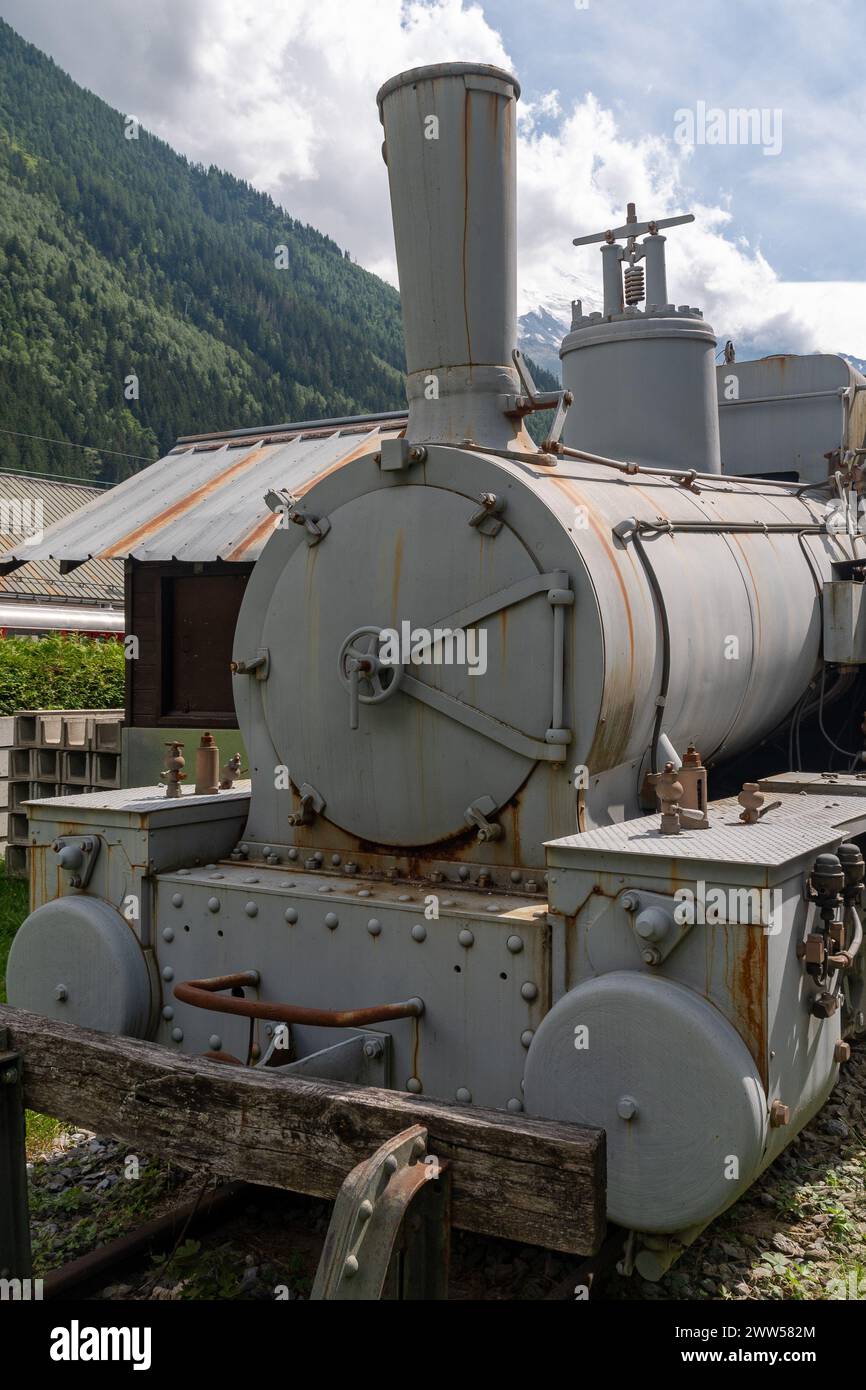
[746,973]
[653,503]
[182,506]
[755,590]
[575,496]
[367,446]
[396,575]
[752,988]
[262,530]
[416,1045]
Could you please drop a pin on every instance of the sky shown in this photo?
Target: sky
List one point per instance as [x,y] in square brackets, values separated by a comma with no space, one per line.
[620,102]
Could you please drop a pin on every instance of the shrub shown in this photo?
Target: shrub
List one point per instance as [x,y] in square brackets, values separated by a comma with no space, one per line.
[60,672]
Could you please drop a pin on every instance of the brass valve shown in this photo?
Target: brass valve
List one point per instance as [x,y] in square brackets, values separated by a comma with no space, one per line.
[174,773]
[669,790]
[231,772]
[751,799]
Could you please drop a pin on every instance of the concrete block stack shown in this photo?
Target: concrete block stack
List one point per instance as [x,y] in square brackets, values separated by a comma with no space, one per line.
[7,728]
[53,753]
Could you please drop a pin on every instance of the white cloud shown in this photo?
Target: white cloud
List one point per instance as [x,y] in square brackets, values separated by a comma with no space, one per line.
[576,176]
[835,312]
[282,93]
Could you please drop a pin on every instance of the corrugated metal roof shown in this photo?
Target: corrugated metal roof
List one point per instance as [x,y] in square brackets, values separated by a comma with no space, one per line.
[205,501]
[27,501]
[333,422]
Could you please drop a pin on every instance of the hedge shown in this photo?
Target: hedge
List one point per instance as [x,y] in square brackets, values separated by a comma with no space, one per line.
[60,672]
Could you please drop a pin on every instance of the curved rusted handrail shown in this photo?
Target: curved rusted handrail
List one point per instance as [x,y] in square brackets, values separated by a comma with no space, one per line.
[204,994]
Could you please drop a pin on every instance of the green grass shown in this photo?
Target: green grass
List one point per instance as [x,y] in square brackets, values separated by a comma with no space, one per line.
[69,1223]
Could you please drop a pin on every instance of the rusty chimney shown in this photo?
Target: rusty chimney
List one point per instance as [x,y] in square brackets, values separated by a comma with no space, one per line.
[450,145]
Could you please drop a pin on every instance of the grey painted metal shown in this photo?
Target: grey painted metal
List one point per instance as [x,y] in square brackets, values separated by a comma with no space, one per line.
[461,1040]
[142,832]
[97,975]
[661,362]
[673,1085]
[643,380]
[315,940]
[383,784]
[145,805]
[315,738]
[833,787]
[826,784]
[331,422]
[632,228]
[656,273]
[363,1059]
[450,147]
[206,503]
[791,830]
[844,623]
[611,266]
[783,414]
[393,845]
[489,968]
[741,969]
[370,1229]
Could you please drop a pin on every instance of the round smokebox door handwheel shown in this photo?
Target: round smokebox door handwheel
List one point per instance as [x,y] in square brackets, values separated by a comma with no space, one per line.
[368,679]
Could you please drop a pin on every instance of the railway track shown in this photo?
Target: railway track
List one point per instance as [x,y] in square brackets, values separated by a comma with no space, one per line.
[283,1234]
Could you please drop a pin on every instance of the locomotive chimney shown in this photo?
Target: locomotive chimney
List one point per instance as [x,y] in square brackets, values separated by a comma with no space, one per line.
[450,143]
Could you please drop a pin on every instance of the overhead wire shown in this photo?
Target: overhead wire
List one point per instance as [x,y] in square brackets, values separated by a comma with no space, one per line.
[68,444]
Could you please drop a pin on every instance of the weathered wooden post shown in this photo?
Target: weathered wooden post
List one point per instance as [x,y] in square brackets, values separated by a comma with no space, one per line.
[15,1258]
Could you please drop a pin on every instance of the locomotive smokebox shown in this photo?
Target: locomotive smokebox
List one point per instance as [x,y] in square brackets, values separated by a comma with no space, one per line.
[450,147]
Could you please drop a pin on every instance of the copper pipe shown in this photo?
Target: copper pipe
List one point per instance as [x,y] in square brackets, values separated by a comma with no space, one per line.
[204,994]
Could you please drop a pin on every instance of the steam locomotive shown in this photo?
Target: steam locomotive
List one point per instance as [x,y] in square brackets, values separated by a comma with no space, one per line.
[484,685]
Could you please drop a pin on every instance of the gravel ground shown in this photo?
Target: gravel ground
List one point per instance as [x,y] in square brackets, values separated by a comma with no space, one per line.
[800,1233]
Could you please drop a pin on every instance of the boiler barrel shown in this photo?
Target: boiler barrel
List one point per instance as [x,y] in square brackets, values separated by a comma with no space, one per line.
[588,587]
[735,568]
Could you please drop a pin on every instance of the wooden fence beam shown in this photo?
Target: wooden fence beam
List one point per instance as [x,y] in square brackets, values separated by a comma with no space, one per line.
[536,1181]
